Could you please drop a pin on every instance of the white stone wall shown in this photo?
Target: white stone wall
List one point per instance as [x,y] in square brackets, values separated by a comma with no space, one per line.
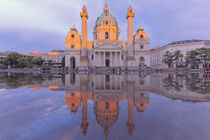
[73,53]
[142,49]
[157,56]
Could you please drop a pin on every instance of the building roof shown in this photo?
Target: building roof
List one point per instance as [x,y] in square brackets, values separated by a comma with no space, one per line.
[186,42]
[101,19]
[180,43]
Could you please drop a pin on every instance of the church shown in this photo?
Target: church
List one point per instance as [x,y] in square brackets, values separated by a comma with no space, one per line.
[106,50]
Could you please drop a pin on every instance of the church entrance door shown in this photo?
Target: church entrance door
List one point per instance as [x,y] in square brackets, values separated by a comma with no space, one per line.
[72,63]
[107,62]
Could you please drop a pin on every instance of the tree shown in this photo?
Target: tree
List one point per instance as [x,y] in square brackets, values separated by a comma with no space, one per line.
[50,63]
[204,56]
[199,56]
[172,83]
[192,58]
[168,59]
[30,59]
[178,56]
[11,59]
[22,62]
[38,61]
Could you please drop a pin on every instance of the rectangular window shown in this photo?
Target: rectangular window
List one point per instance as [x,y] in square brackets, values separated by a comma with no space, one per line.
[142,46]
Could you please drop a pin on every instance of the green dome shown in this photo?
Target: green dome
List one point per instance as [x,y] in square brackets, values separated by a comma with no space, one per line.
[101,19]
[106,15]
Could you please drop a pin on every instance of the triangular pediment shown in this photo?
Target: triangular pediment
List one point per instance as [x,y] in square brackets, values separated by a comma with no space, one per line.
[108,45]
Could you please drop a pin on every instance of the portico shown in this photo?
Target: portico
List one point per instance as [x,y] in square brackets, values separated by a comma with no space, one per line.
[106,58]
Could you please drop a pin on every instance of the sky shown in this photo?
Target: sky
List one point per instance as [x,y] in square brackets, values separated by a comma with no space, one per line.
[28,25]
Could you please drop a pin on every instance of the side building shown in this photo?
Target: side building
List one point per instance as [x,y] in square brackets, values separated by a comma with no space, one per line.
[54,56]
[156,56]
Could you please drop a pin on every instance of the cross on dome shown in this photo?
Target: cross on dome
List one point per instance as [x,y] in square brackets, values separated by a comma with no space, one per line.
[106,8]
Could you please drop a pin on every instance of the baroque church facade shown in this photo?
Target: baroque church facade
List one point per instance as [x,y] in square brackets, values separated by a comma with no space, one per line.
[107,50]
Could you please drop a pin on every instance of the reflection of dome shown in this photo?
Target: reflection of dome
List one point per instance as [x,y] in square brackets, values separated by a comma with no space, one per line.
[141,107]
[73,101]
[106,114]
[141,102]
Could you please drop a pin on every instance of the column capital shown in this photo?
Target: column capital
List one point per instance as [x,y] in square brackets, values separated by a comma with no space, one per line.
[130,13]
[84,13]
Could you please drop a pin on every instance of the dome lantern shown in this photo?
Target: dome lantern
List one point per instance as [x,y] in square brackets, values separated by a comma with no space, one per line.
[106,9]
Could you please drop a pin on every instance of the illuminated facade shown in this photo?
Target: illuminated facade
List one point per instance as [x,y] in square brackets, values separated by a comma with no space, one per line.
[55,57]
[107,50]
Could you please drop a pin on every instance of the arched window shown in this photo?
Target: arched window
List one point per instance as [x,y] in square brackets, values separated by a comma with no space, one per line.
[107,22]
[72,36]
[107,105]
[92,57]
[141,36]
[106,35]
[142,59]
[72,46]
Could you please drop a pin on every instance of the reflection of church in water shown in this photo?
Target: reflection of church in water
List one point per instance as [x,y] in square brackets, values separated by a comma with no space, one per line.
[107,91]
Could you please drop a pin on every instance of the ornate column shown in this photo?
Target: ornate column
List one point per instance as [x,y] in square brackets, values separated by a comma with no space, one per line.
[130,50]
[84,57]
[84,124]
[84,88]
[130,124]
[130,16]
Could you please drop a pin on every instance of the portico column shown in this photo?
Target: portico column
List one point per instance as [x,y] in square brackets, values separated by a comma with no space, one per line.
[94,58]
[120,59]
[99,59]
[104,59]
[115,59]
[111,59]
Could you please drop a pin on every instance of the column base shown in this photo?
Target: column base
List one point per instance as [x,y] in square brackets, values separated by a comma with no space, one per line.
[130,62]
[84,61]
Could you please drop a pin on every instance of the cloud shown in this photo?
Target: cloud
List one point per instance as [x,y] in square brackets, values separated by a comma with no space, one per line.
[25,23]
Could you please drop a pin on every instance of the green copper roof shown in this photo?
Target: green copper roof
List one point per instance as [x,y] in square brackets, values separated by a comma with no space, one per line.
[101,19]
